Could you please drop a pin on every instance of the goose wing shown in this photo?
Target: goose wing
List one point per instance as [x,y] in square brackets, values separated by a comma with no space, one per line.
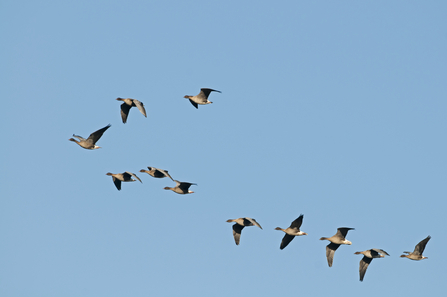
[140,106]
[376,252]
[286,240]
[125,111]
[117,183]
[95,136]
[205,92]
[297,223]
[129,174]
[330,251]
[420,247]
[363,266]
[194,104]
[79,137]
[184,186]
[343,231]
[237,229]
[253,221]
[164,172]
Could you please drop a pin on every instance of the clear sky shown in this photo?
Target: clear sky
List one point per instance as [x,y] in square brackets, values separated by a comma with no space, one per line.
[331,109]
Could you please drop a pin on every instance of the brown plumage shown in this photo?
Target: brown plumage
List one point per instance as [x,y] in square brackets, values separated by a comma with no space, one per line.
[418,250]
[181,187]
[336,241]
[240,224]
[291,232]
[156,172]
[128,104]
[368,255]
[122,177]
[90,142]
[201,98]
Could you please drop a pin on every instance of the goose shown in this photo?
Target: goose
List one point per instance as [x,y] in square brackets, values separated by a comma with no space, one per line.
[128,104]
[201,98]
[123,177]
[240,224]
[181,187]
[418,250]
[156,172]
[336,241]
[368,255]
[291,232]
[89,143]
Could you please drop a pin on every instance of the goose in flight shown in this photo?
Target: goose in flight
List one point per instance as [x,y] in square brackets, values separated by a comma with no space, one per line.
[201,98]
[181,187]
[128,104]
[336,241]
[418,250]
[240,224]
[123,177]
[291,232]
[90,142]
[156,172]
[368,255]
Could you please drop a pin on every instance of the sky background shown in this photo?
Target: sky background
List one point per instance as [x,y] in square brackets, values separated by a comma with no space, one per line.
[331,109]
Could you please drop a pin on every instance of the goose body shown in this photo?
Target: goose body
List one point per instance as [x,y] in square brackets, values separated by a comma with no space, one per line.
[418,250]
[336,240]
[368,255]
[156,172]
[128,104]
[201,98]
[122,177]
[90,142]
[181,187]
[240,224]
[291,232]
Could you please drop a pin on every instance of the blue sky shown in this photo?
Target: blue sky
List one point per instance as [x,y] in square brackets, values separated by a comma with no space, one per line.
[335,110]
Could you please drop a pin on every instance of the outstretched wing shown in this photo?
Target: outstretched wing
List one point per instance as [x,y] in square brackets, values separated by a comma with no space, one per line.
[194,104]
[140,106]
[286,240]
[343,231]
[95,136]
[165,173]
[363,266]
[117,183]
[79,137]
[330,251]
[185,186]
[253,221]
[125,111]
[206,92]
[378,251]
[133,174]
[237,229]
[297,223]
[420,247]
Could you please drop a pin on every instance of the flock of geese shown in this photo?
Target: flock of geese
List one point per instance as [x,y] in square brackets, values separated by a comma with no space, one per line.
[335,241]
[128,103]
[183,188]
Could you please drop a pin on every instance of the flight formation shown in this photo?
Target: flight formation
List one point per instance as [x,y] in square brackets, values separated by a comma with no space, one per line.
[239,224]
[335,241]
